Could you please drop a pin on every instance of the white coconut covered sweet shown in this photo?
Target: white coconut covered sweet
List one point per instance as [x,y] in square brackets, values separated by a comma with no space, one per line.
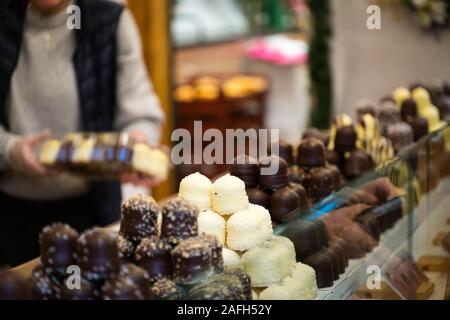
[212,223]
[196,188]
[228,195]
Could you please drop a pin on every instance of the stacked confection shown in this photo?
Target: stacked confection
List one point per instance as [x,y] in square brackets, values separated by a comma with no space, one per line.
[345,152]
[329,259]
[140,262]
[271,190]
[246,231]
[103,156]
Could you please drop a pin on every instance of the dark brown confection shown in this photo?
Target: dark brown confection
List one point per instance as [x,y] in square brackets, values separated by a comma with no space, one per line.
[323,266]
[301,192]
[245,168]
[216,251]
[126,248]
[97,254]
[365,107]
[341,243]
[44,286]
[357,164]
[420,127]
[338,180]
[315,133]
[401,135]
[165,289]
[345,140]
[334,259]
[121,288]
[368,222]
[179,221]
[387,98]
[153,255]
[311,153]
[285,151]
[57,246]
[408,109]
[282,203]
[320,183]
[139,218]
[388,114]
[341,253]
[13,286]
[259,197]
[304,235]
[138,276]
[335,158]
[274,181]
[192,261]
[322,231]
[245,280]
[85,292]
[294,174]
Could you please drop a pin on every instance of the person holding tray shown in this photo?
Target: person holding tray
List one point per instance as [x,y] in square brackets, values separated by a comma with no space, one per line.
[60,76]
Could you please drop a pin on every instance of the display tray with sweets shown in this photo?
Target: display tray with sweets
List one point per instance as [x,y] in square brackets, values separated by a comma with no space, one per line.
[103,156]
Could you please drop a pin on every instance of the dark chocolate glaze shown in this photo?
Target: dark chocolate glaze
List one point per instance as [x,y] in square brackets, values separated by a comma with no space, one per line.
[153,255]
[277,180]
[323,266]
[304,235]
[345,140]
[259,197]
[285,151]
[311,153]
[179,221]
[357,164]
[245,168]
[282,203]
[165,289]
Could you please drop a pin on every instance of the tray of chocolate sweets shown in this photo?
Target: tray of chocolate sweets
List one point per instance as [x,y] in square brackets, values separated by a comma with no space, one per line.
[103,156]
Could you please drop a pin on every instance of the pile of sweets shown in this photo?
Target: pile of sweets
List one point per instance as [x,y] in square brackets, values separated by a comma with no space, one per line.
[103,156]
[245,230]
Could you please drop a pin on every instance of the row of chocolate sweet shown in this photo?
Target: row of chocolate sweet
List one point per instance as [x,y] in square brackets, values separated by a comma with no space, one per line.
[100,154]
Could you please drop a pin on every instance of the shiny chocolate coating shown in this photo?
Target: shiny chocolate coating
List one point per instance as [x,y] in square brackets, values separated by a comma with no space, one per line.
[323,266]
[57,244]
[335,158]
[301,192]
[97,254]
[334,260]
[304,235]
[401,135]
[341,253]
[126,248]
[420,127]
[179,221]
[285,151]
[259,197]
[274,181]
[192,261]
[338,180]
[245,168]
[282,203]
[357,164]
[311,153]
[295,174]
[153,255]
[368,222]
[139,218]
[345,140]
[408,109]
[315,133]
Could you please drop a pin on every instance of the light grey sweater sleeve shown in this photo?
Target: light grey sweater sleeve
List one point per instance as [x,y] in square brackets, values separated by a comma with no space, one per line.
[5,142]
[138,107]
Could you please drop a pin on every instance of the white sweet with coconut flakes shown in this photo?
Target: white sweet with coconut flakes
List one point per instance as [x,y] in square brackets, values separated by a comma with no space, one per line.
[231,259]
[249,228]
[228,195]
[212,223]
[300,285]
[270,262]
[196,188]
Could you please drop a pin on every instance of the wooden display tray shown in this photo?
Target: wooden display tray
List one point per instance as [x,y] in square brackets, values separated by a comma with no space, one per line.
[434,263]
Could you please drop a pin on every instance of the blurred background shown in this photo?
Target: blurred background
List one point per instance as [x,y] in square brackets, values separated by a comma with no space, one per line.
[311,59]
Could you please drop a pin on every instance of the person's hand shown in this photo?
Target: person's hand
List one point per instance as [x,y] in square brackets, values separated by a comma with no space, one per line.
[375,192]
[22,158]
[340,224]
[137,179]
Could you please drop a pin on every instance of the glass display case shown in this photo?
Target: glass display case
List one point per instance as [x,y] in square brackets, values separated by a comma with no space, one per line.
[398,248]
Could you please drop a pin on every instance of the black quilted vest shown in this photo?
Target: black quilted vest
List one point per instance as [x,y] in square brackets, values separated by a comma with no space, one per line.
[95,63]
